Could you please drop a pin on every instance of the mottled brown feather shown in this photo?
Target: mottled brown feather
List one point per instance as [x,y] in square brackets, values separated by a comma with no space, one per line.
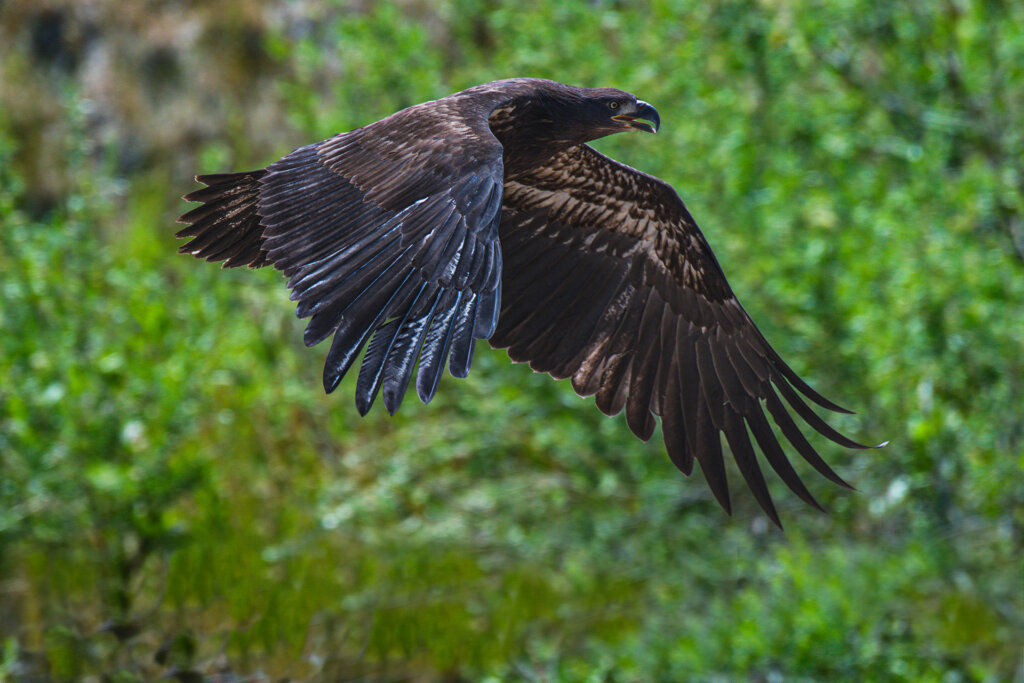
[704,367]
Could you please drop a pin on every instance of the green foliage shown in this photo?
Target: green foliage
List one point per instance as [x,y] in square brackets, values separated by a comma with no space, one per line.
[177,495]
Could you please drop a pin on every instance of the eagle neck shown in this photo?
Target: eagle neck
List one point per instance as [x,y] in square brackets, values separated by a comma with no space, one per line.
[529,131]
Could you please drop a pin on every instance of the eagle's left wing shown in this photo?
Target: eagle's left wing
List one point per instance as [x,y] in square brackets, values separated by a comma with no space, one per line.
[608,280]
[387,231]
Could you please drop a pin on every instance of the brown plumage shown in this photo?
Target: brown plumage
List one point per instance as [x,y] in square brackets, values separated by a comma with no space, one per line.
[484,215]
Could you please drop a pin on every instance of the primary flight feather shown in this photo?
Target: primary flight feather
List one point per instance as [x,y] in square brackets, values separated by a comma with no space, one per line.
[485,215]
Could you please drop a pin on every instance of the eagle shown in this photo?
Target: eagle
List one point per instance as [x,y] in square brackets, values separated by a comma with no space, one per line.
[485,215]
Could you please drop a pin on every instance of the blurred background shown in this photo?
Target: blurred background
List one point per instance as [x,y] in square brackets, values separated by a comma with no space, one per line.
[178,497]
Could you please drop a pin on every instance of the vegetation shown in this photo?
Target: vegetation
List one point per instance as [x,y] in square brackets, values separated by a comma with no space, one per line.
[178,497]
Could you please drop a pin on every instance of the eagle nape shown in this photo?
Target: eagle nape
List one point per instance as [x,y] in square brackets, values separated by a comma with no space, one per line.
[486,215]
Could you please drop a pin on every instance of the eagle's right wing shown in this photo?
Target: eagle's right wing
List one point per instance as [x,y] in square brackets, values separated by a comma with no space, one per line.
[609,281]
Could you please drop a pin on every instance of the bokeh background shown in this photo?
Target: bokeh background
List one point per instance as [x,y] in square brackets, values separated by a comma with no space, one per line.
[178,497]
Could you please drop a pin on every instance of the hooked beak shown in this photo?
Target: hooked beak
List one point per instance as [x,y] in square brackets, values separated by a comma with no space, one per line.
[643,111]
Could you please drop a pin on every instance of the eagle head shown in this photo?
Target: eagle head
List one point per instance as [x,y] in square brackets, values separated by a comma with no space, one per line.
[605,111]
[541,116]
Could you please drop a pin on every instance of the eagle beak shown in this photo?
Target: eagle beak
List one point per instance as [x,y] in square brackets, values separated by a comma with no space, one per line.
[643,111]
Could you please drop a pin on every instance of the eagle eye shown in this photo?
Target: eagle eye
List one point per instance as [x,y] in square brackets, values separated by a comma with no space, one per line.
[613,105]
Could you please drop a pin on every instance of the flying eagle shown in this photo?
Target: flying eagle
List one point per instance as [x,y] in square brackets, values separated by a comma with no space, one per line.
[485,215]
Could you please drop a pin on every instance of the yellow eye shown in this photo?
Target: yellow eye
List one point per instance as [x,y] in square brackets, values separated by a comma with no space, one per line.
[613,105]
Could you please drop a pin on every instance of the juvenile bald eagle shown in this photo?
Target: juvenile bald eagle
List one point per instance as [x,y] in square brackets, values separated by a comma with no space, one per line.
[485,215]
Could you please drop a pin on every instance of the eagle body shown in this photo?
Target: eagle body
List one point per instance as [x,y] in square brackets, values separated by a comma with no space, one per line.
[485,215]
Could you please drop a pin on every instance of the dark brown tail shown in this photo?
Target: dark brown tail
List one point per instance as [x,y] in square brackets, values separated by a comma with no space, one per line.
[227,226]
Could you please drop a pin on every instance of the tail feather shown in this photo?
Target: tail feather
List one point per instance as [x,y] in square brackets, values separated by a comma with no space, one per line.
[227,226]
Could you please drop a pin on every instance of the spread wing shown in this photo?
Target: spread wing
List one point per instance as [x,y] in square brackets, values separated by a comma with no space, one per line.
[390,230]
[608,280]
